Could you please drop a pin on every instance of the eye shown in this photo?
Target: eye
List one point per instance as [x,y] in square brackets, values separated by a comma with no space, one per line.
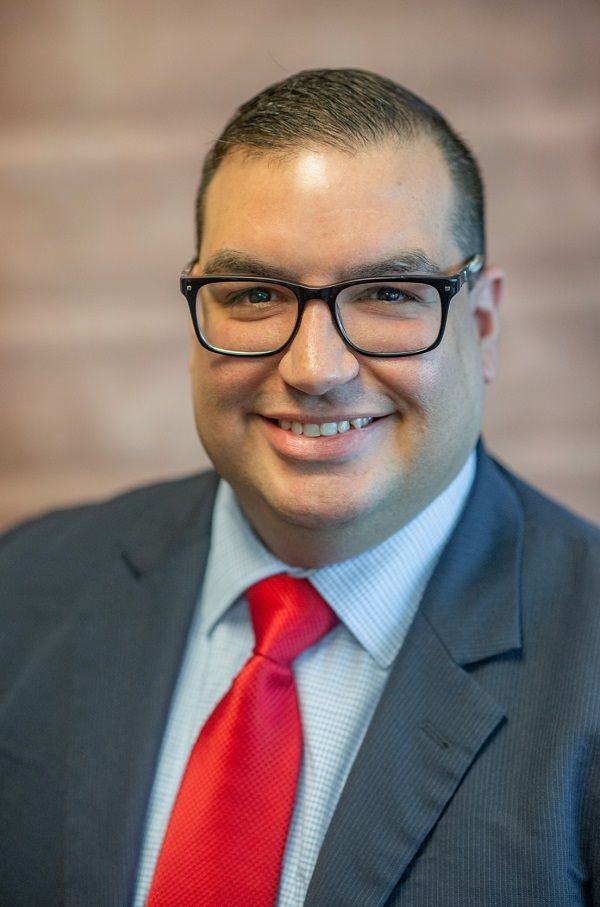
[401,297]
[242,294]
[256,295]
[390,294]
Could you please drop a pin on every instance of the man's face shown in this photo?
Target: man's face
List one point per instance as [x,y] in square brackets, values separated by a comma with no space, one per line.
[316,217]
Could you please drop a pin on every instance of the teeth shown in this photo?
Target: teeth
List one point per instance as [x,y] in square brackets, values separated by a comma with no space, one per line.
[327,429]
[311,430]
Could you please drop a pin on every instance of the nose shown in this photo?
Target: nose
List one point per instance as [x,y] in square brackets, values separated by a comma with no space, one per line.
[317,360]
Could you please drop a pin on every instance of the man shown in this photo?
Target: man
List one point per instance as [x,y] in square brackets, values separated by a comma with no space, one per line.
[345,325]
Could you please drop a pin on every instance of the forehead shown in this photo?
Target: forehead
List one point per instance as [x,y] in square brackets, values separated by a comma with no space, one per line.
[318,210]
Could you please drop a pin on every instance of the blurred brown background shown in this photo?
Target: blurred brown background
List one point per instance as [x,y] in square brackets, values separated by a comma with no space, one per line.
[107,107]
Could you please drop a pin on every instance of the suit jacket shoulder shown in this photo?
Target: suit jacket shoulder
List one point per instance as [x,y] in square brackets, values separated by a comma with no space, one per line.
[560,559]
[95,607]
[170,504]
[55,551]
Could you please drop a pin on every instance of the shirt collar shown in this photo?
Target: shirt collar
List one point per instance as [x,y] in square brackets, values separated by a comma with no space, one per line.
[375,595]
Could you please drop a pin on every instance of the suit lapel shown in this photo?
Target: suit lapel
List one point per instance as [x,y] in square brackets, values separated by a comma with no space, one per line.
[433,718]
[129,644]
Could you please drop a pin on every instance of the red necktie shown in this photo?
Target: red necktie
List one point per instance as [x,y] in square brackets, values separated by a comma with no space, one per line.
[226,836]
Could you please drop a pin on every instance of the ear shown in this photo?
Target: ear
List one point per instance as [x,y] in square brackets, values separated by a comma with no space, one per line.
[486,296]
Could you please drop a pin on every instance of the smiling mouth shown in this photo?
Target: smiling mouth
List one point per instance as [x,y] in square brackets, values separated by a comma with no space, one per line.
[324,429]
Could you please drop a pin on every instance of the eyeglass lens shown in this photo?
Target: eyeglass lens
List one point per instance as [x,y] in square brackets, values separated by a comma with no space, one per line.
[385,318]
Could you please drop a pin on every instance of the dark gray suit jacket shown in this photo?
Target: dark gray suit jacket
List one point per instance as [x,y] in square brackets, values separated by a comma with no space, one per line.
[478,782]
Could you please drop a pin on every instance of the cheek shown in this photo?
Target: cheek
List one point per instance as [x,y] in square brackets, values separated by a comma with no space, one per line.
[437,394]
[208,394]
[213,392]
[413,383]
[464,386]
[223,384]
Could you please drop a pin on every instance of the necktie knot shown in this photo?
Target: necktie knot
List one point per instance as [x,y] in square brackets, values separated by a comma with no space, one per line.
[288,615]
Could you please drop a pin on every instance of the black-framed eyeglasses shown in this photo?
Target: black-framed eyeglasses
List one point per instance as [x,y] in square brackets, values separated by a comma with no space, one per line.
[402,315]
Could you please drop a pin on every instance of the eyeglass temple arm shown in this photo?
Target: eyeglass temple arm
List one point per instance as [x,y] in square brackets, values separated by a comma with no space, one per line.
[471,270]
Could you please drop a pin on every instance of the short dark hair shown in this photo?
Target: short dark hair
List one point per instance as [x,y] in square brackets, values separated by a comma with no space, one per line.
[350,109]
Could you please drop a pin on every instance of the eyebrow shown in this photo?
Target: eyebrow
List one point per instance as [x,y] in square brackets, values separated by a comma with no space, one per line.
[228,261]
[406,261]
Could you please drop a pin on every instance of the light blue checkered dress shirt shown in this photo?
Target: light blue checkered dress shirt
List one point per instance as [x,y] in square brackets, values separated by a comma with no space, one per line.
[339,680]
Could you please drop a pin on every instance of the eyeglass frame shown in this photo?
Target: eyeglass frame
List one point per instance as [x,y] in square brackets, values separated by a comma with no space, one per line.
[446,286]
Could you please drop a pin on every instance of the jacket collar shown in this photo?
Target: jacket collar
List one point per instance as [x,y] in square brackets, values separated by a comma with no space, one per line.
[172,522]
[473,598]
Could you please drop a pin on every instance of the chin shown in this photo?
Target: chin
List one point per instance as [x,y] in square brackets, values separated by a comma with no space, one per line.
[317,518]
[320,508]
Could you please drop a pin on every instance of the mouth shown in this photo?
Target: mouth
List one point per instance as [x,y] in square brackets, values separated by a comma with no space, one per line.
[324,429]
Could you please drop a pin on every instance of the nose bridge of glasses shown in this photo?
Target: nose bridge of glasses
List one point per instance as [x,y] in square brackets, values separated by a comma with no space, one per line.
[326,295]
[318,356]
[307,294]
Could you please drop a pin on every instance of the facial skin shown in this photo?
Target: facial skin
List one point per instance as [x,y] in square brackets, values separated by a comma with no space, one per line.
[315,217]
